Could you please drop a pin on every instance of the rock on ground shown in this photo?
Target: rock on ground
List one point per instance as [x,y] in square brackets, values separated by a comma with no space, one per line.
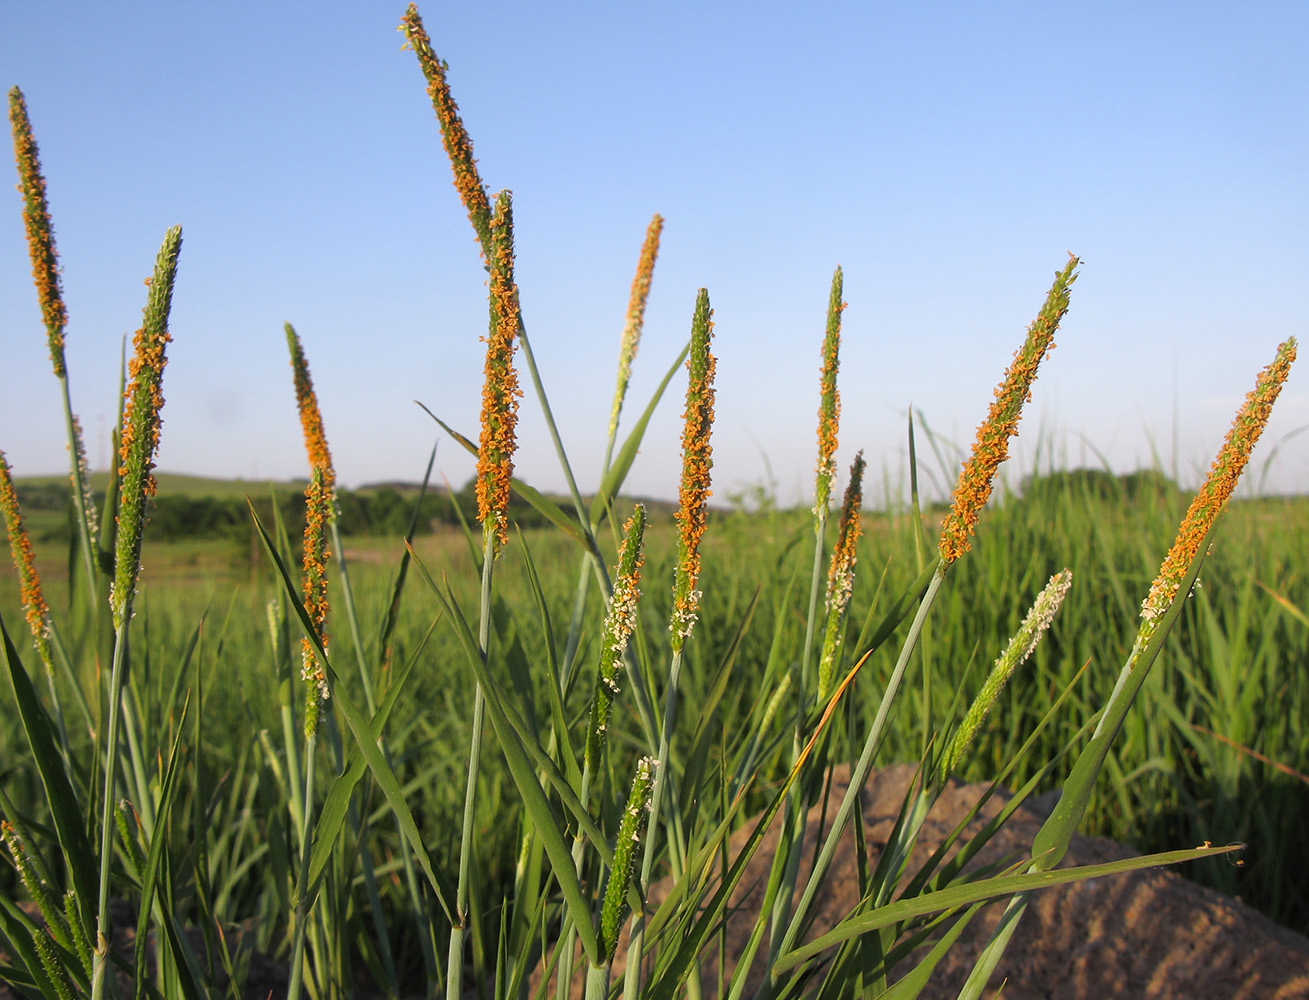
[1148,934]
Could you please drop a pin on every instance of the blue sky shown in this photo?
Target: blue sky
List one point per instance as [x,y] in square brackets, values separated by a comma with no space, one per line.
[947,156]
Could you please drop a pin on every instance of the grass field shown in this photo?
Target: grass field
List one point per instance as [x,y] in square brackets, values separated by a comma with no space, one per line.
[1236,669]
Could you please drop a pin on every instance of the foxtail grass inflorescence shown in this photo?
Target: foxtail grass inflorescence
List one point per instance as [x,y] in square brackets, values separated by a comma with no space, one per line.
[319,497]
[40,233]
[697,461]
[35,608]
[82,478]
[458,145]
[141,420]
[62,925]
[54,315]
[840,578]
[1217,488]
[500,392]
[38,890]
[992,445]
[614,907]
[636,301]
[1020,647]
[615,633]
[829,409]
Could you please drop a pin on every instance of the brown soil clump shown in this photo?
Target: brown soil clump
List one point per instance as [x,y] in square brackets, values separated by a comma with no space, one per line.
[1149,934]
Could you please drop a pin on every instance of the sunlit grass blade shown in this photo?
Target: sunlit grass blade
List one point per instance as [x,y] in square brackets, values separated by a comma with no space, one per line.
[66,809]
[689,945]
[525,739]
[616,473]
[336,805]
[151,869]
[360,731]
[523,770]
[986,889]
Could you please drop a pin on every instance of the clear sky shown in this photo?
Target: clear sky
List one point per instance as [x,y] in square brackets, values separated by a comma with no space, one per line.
[947,156]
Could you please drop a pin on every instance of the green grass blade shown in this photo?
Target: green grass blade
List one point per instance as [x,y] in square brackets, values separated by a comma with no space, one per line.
[1055,834]
[540,759]
[336,805]
[523,769]
[712,913]
[915,982]
[393,605]
[154,857]
[65,809]
[558,719]
[614,478]
[18,930]
[358,725]
[992,888]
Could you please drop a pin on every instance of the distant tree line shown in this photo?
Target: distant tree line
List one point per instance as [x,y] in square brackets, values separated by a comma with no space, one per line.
[379,510]
[1100,484]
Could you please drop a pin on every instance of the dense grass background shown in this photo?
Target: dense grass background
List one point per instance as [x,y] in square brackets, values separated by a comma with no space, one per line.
[1237,666]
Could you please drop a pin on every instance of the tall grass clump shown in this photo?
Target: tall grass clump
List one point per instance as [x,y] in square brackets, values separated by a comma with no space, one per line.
[543,769]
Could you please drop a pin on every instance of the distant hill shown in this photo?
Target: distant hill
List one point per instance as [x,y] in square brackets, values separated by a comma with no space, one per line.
[188,506]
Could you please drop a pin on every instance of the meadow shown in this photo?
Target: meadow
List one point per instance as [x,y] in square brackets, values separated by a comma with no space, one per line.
[449,761]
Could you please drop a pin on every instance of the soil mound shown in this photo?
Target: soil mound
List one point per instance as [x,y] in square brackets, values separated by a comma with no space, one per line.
[1149,934]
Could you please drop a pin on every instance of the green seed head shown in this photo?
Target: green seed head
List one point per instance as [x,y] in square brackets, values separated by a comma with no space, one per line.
[614,907]
[618,626]
[1020,647]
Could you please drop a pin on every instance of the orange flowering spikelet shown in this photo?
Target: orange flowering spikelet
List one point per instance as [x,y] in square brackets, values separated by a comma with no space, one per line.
[319,495]
[992,445]
[500,392]
[20,545]
[1218,486]
[618,626]
[141,420]
[697,461]
[458,145]
[829,409]
[840,576]
[40,234]
[636,301]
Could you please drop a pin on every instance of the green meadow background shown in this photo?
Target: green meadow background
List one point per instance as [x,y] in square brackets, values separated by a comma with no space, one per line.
[1215,750]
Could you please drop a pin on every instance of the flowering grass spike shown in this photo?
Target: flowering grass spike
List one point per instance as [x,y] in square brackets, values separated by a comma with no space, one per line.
[141,419]
[829,409]
[1020,647]
[319,496]
[500,392]
[458,145]
[992,445]
[614,906]
[1217,488]
[617,629]
[40,233]
[697,461]
[636,301]
[35,607]
[840,578]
